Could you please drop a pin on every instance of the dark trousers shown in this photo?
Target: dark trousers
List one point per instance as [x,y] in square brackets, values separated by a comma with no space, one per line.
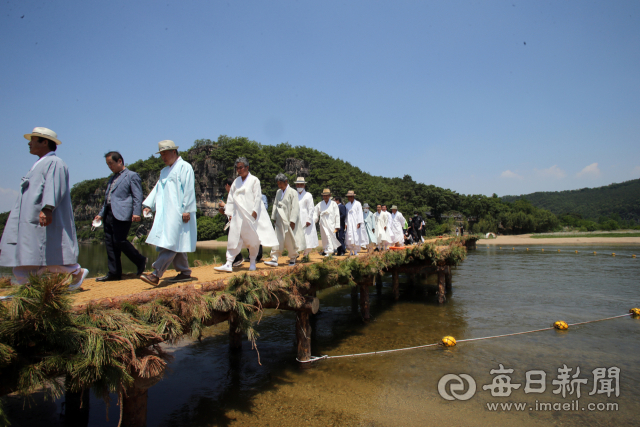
[416,235]
[342,249]
[258,258]
[115,239]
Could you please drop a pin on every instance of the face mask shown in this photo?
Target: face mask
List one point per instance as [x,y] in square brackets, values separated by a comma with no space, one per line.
[300,190]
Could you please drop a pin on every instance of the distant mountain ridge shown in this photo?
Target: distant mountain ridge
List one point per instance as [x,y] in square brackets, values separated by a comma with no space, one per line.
[622,199]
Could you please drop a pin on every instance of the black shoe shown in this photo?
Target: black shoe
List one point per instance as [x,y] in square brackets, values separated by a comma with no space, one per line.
[108,278]
[142,267]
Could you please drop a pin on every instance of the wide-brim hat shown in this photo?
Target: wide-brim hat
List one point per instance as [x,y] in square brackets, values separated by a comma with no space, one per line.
[351,193]
[300,180]
[394,207]
[326,192]
[165,145]
[366,205]
[43,133]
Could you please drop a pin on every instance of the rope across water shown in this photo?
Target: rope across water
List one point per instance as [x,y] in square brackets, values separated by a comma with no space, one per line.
[316,358]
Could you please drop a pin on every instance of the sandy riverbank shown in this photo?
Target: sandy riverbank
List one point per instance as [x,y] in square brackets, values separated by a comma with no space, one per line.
[211,244]
[525,239]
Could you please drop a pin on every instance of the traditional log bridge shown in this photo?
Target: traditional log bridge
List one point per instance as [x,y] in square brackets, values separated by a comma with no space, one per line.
[131,327]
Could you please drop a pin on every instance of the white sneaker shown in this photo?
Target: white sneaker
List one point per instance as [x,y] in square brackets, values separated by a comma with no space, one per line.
[271,263]
[78,279]
[252,266]
[328,255]
[225,267]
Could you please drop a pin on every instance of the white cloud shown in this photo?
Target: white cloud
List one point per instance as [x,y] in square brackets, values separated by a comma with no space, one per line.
[7,199]
[591,171]
[510,175]
[552,172]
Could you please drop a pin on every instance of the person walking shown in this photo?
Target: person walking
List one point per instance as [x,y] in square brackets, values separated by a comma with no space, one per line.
[327,215]
[40,234]
[340,234]
[121,207]
[174,231]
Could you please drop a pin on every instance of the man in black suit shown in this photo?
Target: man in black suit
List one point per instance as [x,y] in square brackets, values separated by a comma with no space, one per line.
[122,206]
[416,226]
[342,249]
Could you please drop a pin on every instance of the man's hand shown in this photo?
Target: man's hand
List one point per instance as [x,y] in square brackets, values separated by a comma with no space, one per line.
[293,225]
[186,217]
[97,218]
[385,229]
[358,225]
[308,224]
[335,231]
[136,218]
[145,211]
[254,215]
[45,217]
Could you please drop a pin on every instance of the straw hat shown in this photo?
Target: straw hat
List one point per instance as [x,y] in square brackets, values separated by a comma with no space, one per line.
[351,193]
[366,205]
[300,180]
[44,133]
[166,145]
[394,207]
[326,192]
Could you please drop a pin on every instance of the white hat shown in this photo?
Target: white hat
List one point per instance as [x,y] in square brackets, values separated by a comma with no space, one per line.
[44,133]
[300,180]
[166,145]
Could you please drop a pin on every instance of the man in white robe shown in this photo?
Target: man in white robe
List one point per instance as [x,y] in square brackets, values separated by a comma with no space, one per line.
[286,214]
[305,201]
[356,235]
[369,227]
[383,239]
[327,216]
[174,231]
[397,224]
[250,226]
[40,233]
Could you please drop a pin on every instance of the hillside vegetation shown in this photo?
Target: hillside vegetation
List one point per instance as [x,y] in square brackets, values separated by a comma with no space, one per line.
[602,208]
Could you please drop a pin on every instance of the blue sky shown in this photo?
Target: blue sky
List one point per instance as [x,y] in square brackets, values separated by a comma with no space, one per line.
[480,97]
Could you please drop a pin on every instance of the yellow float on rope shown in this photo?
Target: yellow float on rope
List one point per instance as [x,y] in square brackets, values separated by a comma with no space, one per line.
[576,251]
[528,249]
[635,311]
[561,325]
[613,254]
[558,250]
[543,250]
[633,256]
[594,252]
[448,341]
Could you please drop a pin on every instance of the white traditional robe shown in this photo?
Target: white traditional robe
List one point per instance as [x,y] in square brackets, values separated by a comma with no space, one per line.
[286,210]
[328,216]
[355,236]
[397,222]
[24,241]
[305,201]
[369,226]
[173,195]
[245,197]
[382,222]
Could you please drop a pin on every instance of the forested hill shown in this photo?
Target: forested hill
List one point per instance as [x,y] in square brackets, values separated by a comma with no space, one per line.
[621,200]
[213,161]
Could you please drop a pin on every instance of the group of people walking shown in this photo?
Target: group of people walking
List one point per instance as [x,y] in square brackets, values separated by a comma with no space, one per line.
[40,234]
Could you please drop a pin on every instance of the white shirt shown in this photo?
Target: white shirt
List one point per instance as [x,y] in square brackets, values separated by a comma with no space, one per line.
[50,153]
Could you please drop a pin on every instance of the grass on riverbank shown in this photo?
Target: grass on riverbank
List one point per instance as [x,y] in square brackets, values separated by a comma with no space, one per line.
[557,236]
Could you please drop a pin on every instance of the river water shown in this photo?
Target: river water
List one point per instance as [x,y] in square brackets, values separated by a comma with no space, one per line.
[494,292]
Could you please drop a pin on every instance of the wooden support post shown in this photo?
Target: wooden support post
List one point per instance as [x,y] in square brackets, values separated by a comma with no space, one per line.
[303,335]
[396,285]
[133,407]
[235,334]
[378,279]
[447,277]
[364,301]
[441,285]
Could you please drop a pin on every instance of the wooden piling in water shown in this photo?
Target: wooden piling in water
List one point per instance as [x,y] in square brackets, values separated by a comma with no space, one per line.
[396,285]
[303,336]
[378,284]
[447,277]
[441,284]
[235,333]
[133,407]
[364,299]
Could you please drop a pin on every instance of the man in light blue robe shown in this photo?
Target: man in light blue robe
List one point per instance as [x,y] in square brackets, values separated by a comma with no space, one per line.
[174,231]
[369,226]
[40,234]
